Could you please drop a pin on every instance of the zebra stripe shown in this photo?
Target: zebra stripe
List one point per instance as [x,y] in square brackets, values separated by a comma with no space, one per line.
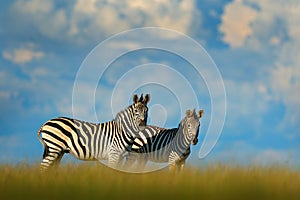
[166,145]
[91,141]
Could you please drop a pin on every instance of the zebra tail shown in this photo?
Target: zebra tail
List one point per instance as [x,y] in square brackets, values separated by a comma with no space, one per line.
[39,136]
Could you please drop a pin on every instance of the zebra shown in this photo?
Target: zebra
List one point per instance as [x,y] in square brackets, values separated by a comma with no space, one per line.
[166,145]
[93,141]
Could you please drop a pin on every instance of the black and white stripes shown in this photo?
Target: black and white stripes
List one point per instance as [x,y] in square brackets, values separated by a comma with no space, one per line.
[128,134]
[166,145]
[90,141]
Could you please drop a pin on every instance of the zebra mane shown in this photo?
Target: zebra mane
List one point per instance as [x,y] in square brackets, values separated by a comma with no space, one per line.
[118,119]
[182,122]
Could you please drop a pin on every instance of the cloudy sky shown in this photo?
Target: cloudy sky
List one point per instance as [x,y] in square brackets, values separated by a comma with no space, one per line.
[250,47]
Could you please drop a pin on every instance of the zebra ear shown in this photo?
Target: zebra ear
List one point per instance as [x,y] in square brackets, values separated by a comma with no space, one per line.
[188,113]
[147,99]
[141,98]
[135,98]
[200,113]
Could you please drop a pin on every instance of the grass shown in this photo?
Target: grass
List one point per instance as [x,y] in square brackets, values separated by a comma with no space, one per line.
[82,181]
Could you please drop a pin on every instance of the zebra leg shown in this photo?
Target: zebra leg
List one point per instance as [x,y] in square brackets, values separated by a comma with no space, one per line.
[179,161]
[51,157]
[175,162]
[58,159]
[172,167]
[141,161]
[180,164]
[114,159]
[130,159]
[177,166]
[172,161]
[182,159]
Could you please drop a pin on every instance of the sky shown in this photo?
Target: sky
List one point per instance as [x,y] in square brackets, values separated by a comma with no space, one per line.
[237,60]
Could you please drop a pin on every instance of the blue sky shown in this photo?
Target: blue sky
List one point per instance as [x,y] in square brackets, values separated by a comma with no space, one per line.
[254,44]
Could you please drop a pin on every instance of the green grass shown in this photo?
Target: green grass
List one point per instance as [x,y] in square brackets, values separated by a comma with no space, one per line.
[98,182]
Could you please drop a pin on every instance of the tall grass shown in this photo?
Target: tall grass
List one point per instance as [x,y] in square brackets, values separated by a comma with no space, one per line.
[99,182]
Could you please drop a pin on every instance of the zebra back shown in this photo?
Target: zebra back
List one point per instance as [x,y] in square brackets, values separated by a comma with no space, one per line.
[90,141]
[84,140]
[162,145]
[153,138]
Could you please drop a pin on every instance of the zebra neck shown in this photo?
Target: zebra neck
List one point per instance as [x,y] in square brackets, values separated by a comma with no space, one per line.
[182,138]
[129,137]
[124,120]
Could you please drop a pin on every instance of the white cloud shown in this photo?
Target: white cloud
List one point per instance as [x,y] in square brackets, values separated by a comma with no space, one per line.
[42,16]
[236,23]
[281,79]
[284,80]
[246,101]
[39,72]
[258,24]
[22,55]
[276,23]
[271,26]
[285,86]
[33,6]
[85,21]
[34,95]
[85,7]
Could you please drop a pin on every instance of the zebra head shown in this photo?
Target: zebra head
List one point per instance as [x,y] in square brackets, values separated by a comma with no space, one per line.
[140,110]
[191,125]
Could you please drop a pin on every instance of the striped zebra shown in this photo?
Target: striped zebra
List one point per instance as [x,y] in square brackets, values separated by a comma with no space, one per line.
[91,141]
[166,145]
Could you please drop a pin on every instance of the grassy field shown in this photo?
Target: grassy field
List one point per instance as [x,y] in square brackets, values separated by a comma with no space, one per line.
[99,182]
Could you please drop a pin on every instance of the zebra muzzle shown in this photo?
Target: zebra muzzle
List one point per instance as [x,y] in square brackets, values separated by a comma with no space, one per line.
[195,141]
[142,125]
[142,122]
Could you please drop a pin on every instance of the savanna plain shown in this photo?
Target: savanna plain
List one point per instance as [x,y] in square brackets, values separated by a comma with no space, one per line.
[85,181]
